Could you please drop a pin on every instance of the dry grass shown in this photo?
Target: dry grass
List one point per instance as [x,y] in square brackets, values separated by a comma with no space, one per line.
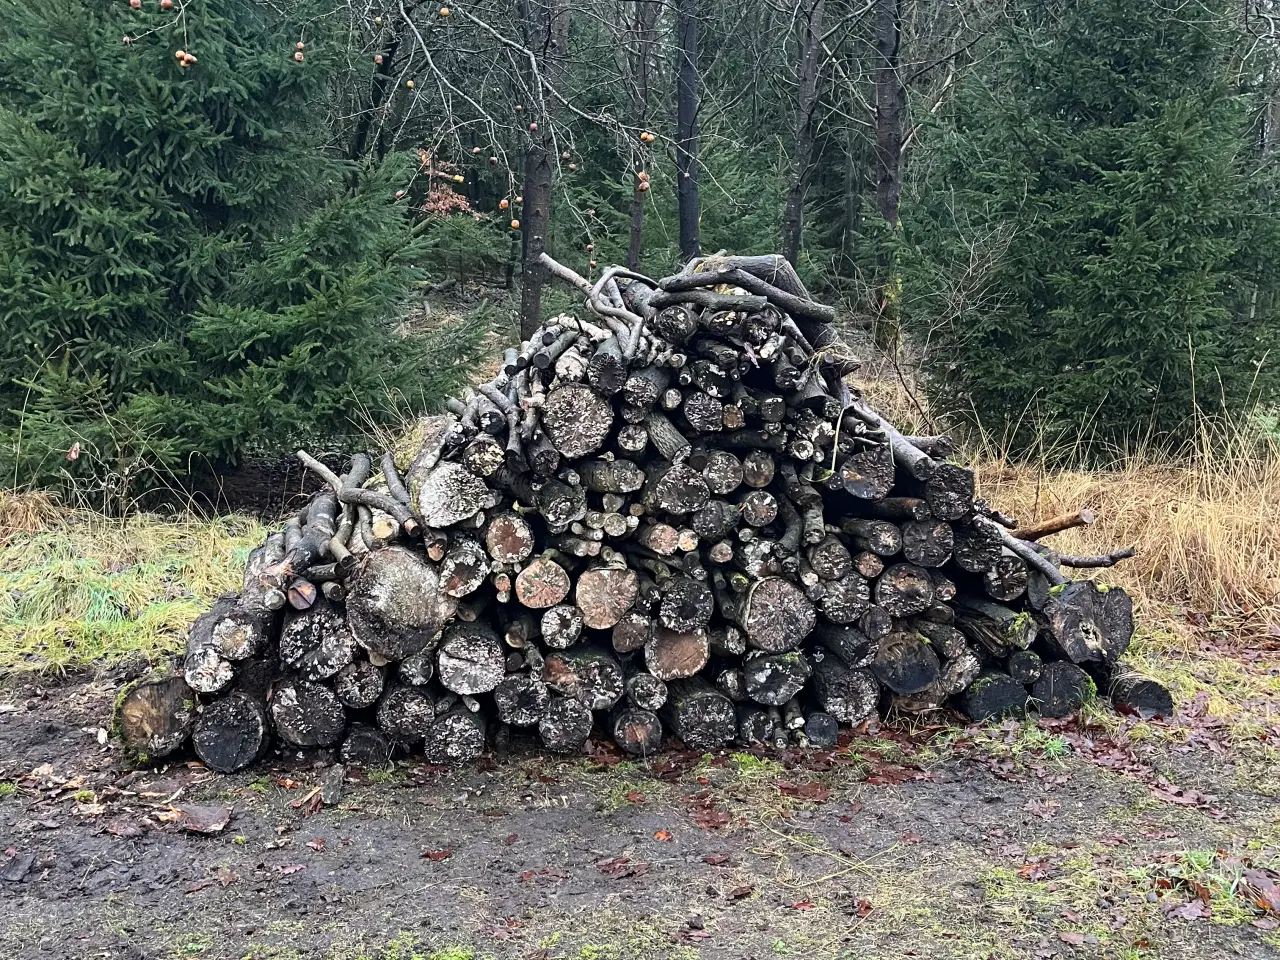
[79,589]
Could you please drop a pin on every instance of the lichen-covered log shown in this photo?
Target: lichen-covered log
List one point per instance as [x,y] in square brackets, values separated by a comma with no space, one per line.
[405,714]
[592,675]
[307,714]
[774,678]
[233,732]
[395,605]
[455,736]
[154,715]
[849,695]
[565,725]
[577,420]
[317,642]
[635,730]
[905,663]
[470,659]
[521,699]
[699,714]
[904,589]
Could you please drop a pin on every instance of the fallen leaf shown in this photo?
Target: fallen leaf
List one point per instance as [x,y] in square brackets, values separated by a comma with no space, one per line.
[622,867]
[1262,889]
[862,907]
[317,844]
[1191,910]
[199,819]
[1071,939]
[716,859]
[737,893]
[635,796]
[663,835]
[511,838]
[291,869]
[287,783]
[435,856]
[910,839]
[803,905]
[811,791]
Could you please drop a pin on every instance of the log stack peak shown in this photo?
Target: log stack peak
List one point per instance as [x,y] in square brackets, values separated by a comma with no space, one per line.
[670,518]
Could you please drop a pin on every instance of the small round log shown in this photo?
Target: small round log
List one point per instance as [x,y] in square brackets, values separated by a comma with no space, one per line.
[905,663]
[904,589]
[565,725]
[577,420]
[849,695]
[699,714]
[687,606]
[541,584]
[154,715]
[359,684]
[670,655]
[405,714]
[232,733]
[470,659]
[1061,690]
[307,714]
[927,543]
[455,737]
[774,678]
[365,746]
[637,731]
[317,642]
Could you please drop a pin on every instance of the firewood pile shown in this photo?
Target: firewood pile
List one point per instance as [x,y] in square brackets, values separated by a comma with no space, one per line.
[671,518]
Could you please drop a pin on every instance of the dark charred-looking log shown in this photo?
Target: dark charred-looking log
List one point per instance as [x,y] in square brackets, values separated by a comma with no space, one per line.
[898,509]
[317,642]
[565,725]
[732,682]
[1061,690]
[1117,620]
[359,684]
[666,437]
[759,508]
[849,695]
[405,714]
[561,626]
[904,589]
[205,669]
[604,595]
[470,659]
[521,699]
[876,622]
[645,385]
[880,537]
[307,714]
[591,675]
[1025,666]
[675,323]
[670,655]
[755,725]
[830,559]
[927,543]
[699,714]
[465,567]
[577,420]
[993,695]
[774,678]
[1006,579]
[723,472]
[868,474]
[758,469]
[949,491]
[636,731]
[943,637]
[646,691]
[958,673]
[154,715]
[543,583]
[821,729]
[715,520]
[607,370]
[365,746]
[905,663]
[846,599]
[232,733]
[419,669]
[1074,619]
[997,628]
[853,647]
[702,412]
[395,605]
[978,546]
[687,606]
[455,737]
[560,504]
[1133,692]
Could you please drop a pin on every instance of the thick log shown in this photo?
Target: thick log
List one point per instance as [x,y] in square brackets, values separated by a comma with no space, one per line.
[365,746]
[232,733]
[632,632]
[905,663]
[561,626]
[849,695]
[1025,666]
[508,538]
[592,675]
[610,476]
[205,669]
[993,695]
[317,643]
[577,420]
[1076,623]
[359,685]
[154,715]
[394,604]
[774,613]
[455,737]
[307,714]
[821,729]
[853,647]
[470,659]
[1061,690]
[687,606]
[543,583]
[521,699]
[449,494]
[1133,692]
[978,546]
[699,714]
[637,731]
[645,691]
[405,714]
[755,725]
[671,656]
[868,474]
[904,589]
[675,324]
[880,537]
[722,472]
[876,622]
[1006,579]
[702,413]
[949,491]
[845,600]
[927,543]
[604,595]
[645,385]
[676,488]
[715,520]
[958,673]
[774,678]
[830,559]
[995,627]
[565,725]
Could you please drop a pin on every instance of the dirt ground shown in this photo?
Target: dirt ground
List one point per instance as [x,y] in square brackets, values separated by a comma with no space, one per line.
[1020,840]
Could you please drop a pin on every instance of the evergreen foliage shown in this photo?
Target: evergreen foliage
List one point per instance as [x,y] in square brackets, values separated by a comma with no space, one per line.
[1090,238]
[185,271]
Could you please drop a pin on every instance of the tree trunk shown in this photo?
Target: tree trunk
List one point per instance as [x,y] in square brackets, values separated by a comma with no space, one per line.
[890,101]
[802,153]
[687,127]
[645,42]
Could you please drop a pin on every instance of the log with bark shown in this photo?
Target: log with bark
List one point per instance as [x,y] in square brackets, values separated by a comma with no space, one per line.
[671,515]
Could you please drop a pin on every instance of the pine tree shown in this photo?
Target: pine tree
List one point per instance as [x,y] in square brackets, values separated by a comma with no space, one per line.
[185,271]
[1091,247]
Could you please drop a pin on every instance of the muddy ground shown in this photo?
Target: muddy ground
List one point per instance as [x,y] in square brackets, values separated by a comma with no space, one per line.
[1016,841]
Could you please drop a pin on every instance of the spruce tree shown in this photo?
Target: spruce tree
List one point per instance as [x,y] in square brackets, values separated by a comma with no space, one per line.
[186,272]
[1091,248]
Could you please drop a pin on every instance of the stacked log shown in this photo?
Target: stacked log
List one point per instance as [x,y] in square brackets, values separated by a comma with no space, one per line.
[673,517]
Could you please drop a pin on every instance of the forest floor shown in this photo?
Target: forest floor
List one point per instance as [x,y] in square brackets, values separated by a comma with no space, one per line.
[1098,836]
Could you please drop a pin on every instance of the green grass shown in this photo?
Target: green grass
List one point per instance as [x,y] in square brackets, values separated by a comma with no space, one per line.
[7,789]
[88,590]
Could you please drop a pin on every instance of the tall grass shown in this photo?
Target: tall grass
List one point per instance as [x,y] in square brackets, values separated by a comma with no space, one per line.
[80,589]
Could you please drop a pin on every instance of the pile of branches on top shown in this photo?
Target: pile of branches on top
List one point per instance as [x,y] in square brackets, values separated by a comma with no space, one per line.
[673,517]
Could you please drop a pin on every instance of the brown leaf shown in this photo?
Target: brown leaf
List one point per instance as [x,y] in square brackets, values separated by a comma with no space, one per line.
[910,839]
[317,844]
[621,867]
[862,907]
[811,791]
[663,835]
[1071,939]
[716,859]
[737,893]
[199,819]
[635,796]
[528,875]
[287,783]
[291,869]
[803,905]
[1263,890]
[511,838]
[435,856]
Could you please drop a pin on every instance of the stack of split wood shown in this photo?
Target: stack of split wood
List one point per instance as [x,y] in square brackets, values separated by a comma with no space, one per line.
[672,518]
